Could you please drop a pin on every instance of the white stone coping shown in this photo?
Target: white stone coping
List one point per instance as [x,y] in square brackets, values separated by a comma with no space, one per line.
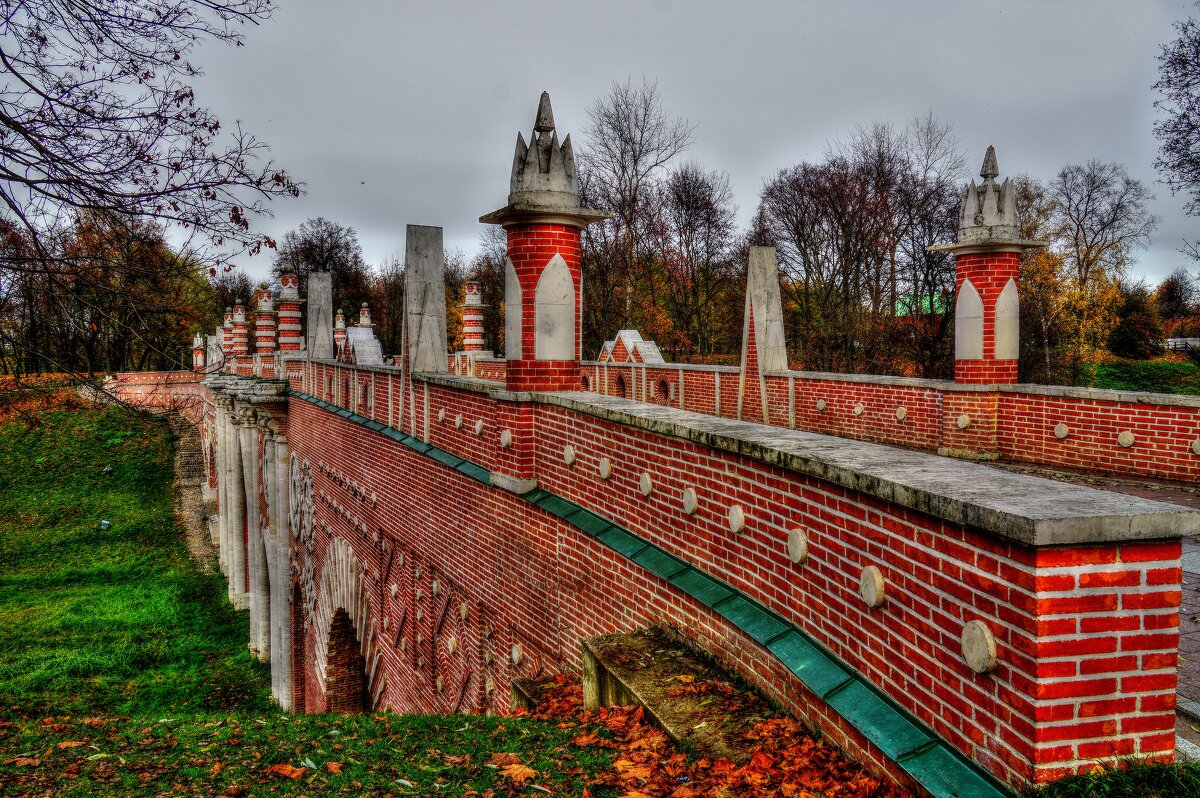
[1028,509]
[1031,510]
[589,364]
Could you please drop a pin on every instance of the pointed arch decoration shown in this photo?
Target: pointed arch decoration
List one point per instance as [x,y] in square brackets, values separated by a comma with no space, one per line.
[554,310]
[968,323]
[512,312]
[1008,322]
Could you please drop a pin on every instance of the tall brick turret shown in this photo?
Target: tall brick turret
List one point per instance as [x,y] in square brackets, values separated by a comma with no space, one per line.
[289,312]
[198,353]
[240,338]
[339,333]
[987,262]
[542,275]
[472,318]
[227,335]
[264,324]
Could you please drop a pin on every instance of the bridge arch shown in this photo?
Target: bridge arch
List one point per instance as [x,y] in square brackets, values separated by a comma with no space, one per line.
[345,636]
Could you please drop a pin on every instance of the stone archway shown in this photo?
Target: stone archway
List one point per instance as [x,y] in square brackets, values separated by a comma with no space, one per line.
[344,591]
[345,668]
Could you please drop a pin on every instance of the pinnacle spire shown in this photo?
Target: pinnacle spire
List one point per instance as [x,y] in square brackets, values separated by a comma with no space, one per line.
[544,122]
[989,171]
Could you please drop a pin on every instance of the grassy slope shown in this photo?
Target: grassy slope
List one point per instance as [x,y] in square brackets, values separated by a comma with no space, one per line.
[124,670]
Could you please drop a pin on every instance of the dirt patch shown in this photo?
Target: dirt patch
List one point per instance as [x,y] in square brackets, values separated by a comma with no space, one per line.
[191,512]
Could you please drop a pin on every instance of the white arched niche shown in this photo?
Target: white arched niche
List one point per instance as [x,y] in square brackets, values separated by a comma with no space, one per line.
[1008,322]
[512,312]
[968,323]
[554,310]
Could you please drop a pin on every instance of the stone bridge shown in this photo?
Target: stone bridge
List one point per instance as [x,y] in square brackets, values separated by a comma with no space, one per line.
[415,535]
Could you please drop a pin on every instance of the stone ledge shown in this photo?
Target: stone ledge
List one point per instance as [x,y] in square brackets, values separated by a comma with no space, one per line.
[590,364]
[1030,510]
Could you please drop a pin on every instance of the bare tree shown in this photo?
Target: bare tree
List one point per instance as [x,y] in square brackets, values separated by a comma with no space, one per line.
[98,121]
[1178,130]
[320,245]
[97,114]
[696,239]
[852,233]
[630,139]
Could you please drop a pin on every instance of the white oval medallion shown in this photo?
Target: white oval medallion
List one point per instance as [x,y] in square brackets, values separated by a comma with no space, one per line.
[872,587]
[1061,430]
[690,502]
[978,646]
[963,421]
[859,409]
[1125,439]
[821,404]
[442,414]
[505,439]
[458,421]
[797,546]
[568,454]
[737,518]
[901,413]
[604,469]
[646,484]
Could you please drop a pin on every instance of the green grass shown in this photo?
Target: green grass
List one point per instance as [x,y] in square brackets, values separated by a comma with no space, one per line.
[1152,376]
[1129,779]
[124,670]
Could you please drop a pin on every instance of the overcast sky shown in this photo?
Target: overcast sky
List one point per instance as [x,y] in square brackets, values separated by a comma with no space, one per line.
[398,113]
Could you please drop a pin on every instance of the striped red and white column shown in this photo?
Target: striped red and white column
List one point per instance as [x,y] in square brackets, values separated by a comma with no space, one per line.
[472,314]
[240,338]
[289,313]
[264,324]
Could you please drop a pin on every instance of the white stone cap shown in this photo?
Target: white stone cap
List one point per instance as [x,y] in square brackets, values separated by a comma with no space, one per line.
[1027,509]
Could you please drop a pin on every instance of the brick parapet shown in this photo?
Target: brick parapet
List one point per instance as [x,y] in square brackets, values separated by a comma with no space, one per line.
[944,575]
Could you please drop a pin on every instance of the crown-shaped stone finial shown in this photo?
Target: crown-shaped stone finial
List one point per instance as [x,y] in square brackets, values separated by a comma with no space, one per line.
[543,173]
[988,213]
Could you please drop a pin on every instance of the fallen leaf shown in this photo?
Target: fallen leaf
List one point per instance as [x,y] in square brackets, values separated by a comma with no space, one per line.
[518,773]
[334,767]
[686,678]
[286,771]
[23,761]
[70,744]
[503,759]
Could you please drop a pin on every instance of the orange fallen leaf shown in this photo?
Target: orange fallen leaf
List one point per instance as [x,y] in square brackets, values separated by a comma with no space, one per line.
[334,767]
[686,678]
[518,773]
[285,770]
[70,744]
[503,760]
[23,761]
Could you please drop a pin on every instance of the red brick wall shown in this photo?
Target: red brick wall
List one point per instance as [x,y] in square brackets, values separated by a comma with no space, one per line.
[510,576]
